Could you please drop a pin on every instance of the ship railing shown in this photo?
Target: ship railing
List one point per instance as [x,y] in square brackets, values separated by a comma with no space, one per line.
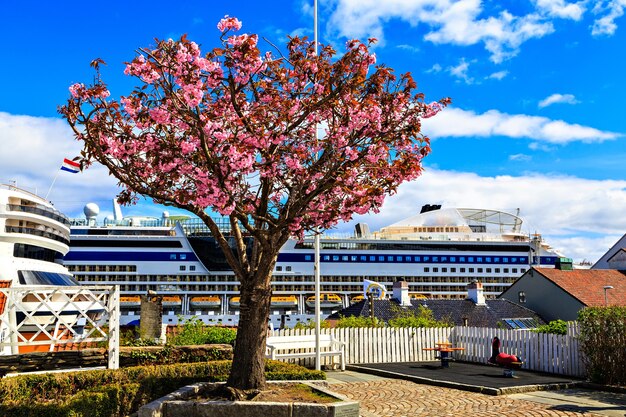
[41,211]
[37,232]
[57,318]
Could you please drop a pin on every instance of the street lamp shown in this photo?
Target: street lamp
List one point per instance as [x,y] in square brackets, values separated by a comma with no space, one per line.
[606,299]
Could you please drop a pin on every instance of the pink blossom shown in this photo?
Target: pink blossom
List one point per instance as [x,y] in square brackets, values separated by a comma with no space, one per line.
[228,23]
[432,109]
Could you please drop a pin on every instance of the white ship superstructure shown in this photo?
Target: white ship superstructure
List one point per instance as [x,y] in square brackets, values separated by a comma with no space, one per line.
[437,252]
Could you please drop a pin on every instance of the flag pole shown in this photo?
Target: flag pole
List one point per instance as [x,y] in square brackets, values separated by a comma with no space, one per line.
[52,185]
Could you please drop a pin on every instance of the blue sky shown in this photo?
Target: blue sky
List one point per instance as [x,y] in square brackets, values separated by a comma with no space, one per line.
[538,87]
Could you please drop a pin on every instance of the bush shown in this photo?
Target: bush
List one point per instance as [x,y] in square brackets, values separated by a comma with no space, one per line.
[195,332]
[359,321]
[554,327]
[422,317]
[116,393]
[310,324]
[602,337]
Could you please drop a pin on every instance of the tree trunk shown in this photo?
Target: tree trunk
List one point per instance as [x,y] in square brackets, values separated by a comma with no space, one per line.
[248,369]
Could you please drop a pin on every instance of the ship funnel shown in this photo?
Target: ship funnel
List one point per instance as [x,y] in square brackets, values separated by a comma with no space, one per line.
[362,230]
[117,211]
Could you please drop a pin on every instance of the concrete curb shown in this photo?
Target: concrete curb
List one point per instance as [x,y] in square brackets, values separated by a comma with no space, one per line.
[465,387]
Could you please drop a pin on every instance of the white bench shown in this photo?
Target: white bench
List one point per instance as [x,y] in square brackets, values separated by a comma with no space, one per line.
[288,347]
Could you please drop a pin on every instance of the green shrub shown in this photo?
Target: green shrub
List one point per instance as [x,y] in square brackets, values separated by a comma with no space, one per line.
[116,393]
[602,337]
[554,327]
[358,321]
[422,317]
[310,324]
[195,332]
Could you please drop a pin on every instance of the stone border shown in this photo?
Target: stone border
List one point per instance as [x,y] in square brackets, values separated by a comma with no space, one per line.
[176,404]
[466,387]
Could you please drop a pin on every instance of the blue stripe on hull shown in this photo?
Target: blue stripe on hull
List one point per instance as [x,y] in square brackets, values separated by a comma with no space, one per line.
[86,256]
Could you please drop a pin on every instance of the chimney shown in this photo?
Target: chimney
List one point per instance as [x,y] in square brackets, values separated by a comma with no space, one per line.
[401,292]
[475,293]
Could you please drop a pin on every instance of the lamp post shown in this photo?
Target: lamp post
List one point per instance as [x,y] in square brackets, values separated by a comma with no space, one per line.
[606,298]
[318,355]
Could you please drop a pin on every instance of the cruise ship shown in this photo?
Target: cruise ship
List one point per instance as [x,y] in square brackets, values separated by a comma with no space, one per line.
[437,252]
[34,238]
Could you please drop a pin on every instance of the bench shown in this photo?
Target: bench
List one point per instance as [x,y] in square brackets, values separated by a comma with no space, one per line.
[290,347]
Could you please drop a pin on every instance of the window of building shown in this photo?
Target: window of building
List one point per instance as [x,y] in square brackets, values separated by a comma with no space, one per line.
[521,297]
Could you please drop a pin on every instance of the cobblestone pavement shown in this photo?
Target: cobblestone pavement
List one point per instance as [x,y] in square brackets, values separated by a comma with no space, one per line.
[397,398]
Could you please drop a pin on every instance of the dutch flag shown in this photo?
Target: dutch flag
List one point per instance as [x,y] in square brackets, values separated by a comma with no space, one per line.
[70,166]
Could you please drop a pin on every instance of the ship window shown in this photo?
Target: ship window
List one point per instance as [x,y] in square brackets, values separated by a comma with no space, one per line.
[452,269]
[45,278]
[353,258]
[288,268]
[372,258]
[407,258]
[480,270]
[453,259]
[183,256]
[470,259]
[488,270]
[496,260]
[497,270]
[426,269]
[435,269]
[444,269]
[488,259]
[435,259]
[417,259]
[335,257]
[182,268]
[172,256]
[506,260]
[308,258]
[390,258]
[326,258]
[471,270]
[506,270]
[479,259]
[381,259]
[426,258]
[363,258]
[444,259]
[462,270]
[515,270]
[344,258]
[279,268]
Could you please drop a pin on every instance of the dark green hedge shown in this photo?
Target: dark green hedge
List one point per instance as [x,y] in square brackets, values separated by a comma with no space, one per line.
[105,393]
[602,337]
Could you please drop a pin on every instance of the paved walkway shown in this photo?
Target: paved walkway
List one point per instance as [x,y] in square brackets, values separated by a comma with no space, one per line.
[385,397]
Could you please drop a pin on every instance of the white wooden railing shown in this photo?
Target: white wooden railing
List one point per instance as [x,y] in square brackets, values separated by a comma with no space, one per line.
[539,351]
[52,317]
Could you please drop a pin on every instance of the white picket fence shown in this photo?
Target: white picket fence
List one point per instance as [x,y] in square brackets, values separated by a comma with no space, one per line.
[539,351]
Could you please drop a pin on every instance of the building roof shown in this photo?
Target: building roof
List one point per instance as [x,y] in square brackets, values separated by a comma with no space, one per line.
[587,285]
[602,263]
[490,315]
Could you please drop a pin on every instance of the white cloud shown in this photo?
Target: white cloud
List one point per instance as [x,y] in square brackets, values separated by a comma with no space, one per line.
[498,75]
[569,212]
[34,150]
[608,10]
[520,157]
[561,9]
[435,69]
[460,71]
[558,98]
[409,48]
[457,122]
[467,22]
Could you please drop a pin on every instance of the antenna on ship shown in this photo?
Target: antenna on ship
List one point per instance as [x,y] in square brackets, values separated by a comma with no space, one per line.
[117,211]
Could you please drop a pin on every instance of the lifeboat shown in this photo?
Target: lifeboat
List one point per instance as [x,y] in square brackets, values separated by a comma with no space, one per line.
[326,301]
[284,301]
[234,302]
[417,296]
[205,301]
[356,299]
[128,301]
[171,301]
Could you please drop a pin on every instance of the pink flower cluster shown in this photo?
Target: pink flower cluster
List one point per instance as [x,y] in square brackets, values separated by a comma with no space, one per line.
[432,109]
[228,23]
